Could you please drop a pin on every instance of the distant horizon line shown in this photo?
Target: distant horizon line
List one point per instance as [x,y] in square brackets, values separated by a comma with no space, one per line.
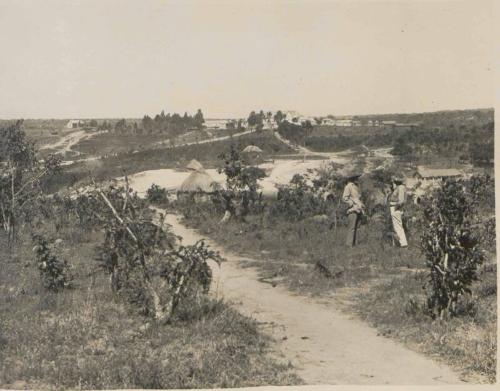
[238,117]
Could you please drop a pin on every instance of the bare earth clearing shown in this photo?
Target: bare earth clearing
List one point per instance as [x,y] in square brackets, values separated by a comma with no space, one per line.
[280,172]
[325,345]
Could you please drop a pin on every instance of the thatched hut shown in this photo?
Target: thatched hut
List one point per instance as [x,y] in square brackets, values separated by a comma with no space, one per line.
[252,149]
[252,154]
[197,182]
[197,185]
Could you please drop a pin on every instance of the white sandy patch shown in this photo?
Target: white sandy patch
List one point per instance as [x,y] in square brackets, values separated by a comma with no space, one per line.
[280,172]
[167,178]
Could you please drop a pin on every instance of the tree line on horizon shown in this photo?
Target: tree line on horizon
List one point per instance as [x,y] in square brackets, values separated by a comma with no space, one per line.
[171,124]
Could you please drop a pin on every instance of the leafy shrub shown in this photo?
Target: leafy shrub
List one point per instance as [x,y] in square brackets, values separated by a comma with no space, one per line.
[55,273]
[146,265]
[22,176]
[451,244]
[299,200]
[241,195]
[157,195]
[316,192]
[483,189]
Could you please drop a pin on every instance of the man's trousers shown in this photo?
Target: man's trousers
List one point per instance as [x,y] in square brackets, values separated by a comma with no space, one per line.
[352,228]
[397,224]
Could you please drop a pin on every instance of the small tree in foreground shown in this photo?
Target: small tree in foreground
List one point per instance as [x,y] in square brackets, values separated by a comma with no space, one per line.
[55,272]
[450,242]
[242,189]
[146,264]
[21,175]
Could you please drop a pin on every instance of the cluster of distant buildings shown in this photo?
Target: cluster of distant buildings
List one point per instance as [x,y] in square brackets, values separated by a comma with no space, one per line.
[349,122]
[268,122]
[75,123]
[291,116]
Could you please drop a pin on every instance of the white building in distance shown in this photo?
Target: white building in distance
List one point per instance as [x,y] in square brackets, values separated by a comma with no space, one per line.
[74,123]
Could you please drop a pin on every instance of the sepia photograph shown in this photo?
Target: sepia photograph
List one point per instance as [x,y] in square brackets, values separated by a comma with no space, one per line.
[216,194]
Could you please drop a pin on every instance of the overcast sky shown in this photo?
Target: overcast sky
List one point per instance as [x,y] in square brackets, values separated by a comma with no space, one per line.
[82,59]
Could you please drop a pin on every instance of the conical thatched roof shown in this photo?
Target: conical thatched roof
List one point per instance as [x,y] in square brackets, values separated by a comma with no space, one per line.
[197,181]
[252,148]
[194,165]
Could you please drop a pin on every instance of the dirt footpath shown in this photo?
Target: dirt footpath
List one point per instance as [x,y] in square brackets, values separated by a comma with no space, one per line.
[324,345]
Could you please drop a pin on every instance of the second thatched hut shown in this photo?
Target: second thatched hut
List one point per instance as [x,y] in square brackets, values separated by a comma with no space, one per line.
[252,154]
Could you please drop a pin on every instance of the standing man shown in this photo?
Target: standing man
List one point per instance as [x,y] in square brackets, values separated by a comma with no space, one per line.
[352,197]
[397,200]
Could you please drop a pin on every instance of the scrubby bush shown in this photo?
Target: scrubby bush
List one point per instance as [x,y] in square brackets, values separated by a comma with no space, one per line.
[300,199]
[54,272]
[146,264]
[317,192]
[451,244]
[157,195]
[21,176]
[241,193]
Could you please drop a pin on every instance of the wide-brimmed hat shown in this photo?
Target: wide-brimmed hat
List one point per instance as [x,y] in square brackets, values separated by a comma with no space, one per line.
[353,173]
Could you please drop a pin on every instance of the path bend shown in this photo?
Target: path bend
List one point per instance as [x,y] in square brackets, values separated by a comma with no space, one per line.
[324,344]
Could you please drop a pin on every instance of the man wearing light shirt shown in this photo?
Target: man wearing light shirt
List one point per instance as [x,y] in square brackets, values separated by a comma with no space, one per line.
[397,200]
[352,197]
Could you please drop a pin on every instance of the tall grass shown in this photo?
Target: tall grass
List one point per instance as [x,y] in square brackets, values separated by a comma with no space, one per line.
[294,250]
[467,341]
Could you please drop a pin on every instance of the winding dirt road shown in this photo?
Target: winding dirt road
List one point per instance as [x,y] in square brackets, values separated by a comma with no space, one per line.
[323,344]
[69,140]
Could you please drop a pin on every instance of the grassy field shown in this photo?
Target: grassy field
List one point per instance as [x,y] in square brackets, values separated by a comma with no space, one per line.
[42,131]
[337,138]
[467,341]
[432,136]
[329,130]
[113,143]
[381,283]
[291,251]
[85,337]
[108,143]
